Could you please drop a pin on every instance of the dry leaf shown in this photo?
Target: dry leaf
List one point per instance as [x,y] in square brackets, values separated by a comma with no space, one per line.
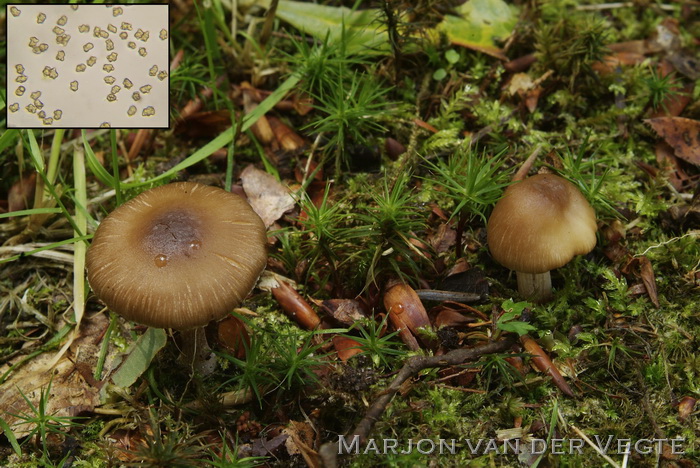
[666,159]
[301,103]
[233,335]
[346,347]
[686,64]
[544,364]
[686,407]
[300,441]
[520,83]
[641,267]
[451,318]
[21,193]
[532,98]
[640,47]
[345,311]
[443,239]
[610,63]
[263,447]
[287,138]
[528,89]
[269,198]
[682,134]
[72,388]
[205,124]
[261,128]
[667,36]
[647,273]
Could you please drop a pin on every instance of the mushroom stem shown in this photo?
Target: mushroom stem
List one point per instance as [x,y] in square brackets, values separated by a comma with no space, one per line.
[196,352]
[535,287]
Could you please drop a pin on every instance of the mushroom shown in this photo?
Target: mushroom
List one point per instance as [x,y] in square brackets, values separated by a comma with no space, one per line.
[540,224]
[178,256]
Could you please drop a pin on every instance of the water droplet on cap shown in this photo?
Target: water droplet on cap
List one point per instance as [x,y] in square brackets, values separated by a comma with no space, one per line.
[160,260]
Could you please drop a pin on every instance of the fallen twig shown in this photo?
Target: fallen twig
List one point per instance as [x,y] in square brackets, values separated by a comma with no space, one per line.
[439,295]
[329,451]
[594,446]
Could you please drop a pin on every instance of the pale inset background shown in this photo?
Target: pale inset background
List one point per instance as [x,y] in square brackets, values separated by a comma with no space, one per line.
[88,107]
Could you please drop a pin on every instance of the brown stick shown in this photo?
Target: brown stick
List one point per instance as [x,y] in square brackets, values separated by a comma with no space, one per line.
[329,451]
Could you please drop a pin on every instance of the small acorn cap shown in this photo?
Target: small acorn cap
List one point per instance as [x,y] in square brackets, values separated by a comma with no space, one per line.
[177,256]
[540,224]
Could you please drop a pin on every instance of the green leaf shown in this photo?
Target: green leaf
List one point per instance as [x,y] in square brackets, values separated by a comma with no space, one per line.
[358,28]
[521,328]
[362,32]
[512,310]
[479,23]
[439,74]
[452,56]
[143,352]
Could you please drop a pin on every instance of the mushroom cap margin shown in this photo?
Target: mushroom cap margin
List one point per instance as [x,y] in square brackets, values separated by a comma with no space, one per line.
[214,244]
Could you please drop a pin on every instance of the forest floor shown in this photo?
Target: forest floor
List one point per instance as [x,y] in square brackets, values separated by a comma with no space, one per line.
[373,140]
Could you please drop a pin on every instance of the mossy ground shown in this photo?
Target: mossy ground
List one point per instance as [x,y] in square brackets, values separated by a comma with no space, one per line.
[391,214]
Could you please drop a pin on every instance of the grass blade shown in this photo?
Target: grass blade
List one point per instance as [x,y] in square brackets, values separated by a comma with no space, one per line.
[143,352]
[30,212]
[8,138]
[115,167]
[80,225]
[43,248]
[225,137]
[95,166]
[10,437]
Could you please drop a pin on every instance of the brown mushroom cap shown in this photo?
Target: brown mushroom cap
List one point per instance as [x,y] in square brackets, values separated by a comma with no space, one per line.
[177,256]
[540,224]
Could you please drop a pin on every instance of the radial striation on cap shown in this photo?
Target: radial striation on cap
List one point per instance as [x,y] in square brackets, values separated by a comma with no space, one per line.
[177,256]
[540,224]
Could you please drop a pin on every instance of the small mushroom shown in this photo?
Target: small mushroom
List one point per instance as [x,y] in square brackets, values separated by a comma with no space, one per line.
[540,224]
[177,256]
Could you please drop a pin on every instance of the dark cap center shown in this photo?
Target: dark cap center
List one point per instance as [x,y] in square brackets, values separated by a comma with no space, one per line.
[172,235]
